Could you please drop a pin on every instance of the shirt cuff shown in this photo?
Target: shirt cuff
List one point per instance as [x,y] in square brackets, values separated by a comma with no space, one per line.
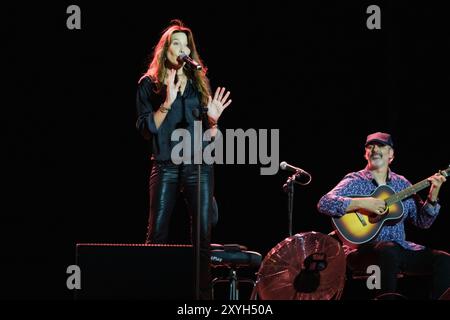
[430,209]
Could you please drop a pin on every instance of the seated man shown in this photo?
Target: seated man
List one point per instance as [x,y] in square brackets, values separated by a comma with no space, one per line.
[388,249]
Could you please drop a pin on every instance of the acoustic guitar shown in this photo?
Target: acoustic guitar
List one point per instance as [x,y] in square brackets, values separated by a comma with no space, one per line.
[358,227]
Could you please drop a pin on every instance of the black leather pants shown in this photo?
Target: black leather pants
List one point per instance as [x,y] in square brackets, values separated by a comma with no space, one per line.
[166,181]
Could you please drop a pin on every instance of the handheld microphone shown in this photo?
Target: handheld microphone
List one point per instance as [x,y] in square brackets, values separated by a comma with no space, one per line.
[183,57]
[285,166]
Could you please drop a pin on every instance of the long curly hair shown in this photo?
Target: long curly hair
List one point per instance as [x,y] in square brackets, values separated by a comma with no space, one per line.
[157,69]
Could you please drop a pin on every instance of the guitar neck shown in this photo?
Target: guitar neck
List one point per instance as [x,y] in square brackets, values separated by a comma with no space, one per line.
[399,196]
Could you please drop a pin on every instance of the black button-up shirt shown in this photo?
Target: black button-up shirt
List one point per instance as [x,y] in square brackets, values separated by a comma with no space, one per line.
[184,111]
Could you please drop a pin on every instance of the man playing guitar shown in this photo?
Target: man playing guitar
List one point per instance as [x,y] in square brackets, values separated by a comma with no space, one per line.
[369,208]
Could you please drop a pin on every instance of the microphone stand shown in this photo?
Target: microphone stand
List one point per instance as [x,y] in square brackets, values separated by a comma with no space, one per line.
[196,216]
[197,234]
[197,219]
[288,187]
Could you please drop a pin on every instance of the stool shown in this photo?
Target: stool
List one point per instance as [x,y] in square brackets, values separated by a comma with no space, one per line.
[354,272]
[233,257]
[415,281]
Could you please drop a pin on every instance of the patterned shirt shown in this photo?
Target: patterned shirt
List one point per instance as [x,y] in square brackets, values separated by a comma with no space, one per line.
[420,214]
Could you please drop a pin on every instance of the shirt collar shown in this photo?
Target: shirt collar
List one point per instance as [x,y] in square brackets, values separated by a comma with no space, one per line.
[368,174]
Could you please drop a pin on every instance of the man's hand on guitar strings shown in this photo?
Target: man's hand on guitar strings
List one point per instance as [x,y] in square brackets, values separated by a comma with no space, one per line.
[436,182]
[374,205]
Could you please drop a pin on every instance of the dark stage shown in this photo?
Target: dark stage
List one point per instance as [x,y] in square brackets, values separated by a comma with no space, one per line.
[77,169]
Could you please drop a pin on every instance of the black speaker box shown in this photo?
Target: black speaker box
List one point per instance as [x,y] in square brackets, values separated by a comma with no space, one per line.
[135,271]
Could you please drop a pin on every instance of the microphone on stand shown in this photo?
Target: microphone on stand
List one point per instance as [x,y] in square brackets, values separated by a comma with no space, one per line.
[288,187]
[286,166]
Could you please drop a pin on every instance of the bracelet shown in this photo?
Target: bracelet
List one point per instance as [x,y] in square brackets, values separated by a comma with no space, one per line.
[164,109]
[212,125]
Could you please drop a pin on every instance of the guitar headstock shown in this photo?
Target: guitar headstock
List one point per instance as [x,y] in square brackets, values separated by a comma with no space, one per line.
[445,172]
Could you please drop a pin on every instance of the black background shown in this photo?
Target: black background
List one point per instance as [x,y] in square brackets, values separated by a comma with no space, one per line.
[77,170]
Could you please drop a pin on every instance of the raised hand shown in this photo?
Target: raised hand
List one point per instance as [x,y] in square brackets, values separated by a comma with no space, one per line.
[217,104]
[172,87]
